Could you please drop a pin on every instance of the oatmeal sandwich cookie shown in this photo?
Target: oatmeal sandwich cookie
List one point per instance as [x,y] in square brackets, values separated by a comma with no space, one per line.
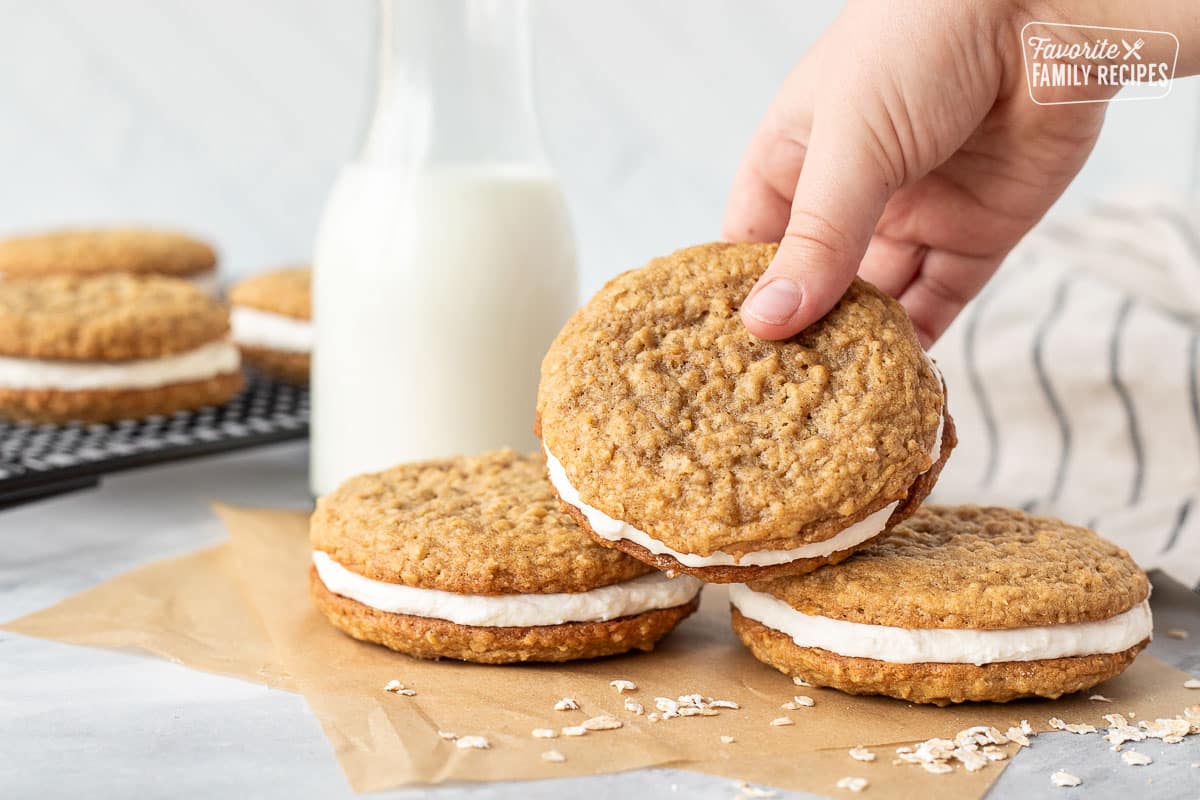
[956,604]
[111,347]
[471,558]
[98,251]
[674,435]
[272,322]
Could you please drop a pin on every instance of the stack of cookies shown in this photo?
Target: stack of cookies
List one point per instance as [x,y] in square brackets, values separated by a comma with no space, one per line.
[793,470]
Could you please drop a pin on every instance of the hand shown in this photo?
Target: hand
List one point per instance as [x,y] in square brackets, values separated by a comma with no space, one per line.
[904,147]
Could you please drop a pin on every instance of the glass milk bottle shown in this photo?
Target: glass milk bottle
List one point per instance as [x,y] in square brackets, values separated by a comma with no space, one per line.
[444,263]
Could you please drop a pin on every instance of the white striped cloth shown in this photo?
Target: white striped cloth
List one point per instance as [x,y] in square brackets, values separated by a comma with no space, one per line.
[1073,379]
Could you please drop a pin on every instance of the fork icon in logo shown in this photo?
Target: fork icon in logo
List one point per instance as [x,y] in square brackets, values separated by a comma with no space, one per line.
[1132,49]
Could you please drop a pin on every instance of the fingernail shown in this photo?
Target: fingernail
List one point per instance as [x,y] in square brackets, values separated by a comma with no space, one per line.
[774,303]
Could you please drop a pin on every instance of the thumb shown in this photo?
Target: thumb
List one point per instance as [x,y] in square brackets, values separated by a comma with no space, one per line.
[839,198]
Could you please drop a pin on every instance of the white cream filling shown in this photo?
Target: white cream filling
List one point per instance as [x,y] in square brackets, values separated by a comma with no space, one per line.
[614,530]
[256,328]
[945,645]
[206,361]
[646,593]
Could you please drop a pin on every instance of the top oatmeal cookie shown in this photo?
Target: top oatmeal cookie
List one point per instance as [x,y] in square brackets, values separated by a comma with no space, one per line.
[488,524]
[93,251]
[668,415]
[281,291]
[972,567]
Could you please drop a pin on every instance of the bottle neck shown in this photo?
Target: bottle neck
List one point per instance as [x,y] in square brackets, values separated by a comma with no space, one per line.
[454,85]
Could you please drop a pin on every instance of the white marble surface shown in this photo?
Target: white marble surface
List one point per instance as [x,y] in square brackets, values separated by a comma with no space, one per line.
[77,722]
[231,117]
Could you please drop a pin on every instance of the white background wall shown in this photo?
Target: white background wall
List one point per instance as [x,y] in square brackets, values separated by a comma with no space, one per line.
[230,118]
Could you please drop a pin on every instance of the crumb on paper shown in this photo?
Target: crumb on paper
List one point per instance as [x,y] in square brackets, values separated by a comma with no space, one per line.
[574,730]
[723,704]
[727,740]
[566,704]
[861,754]
[852,784]
[750,790]
[799,701]
[1135,759]
[1099,698]
[780,722]
[1177,633]
[473,743]
[447,735]
[796,679]
[604,722]
[553,756]
[937,767]
[1192,683]
[1065,779]
[545,733]
[396,687]
[1071,727]
[623,686]
[666,705]
[1171,731]
[634,706]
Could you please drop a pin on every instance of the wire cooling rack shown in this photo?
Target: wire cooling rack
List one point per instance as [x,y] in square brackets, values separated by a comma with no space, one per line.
[41,460]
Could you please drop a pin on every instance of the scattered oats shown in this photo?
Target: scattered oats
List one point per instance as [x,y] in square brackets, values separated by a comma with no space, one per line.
[553,756]
[1020,733]
[1171,731]
[574,730]
[852,784]
[861,754]
[1177,633]
[623,686]
[979,735]
[1120,731]
[971,759]
[1135,759]
[800,681]
[1071,727]
[634,706]
[723,704]
[447,735]
[691,700]
[666,705]
[750,790]
[604,722]
[799,701]
[396,687]
[937,767]
[993,753]
[780,722]
[727,740]
[1192,683]
[1099,698]
[1061,778]
[545,733]
[653,716]
[473,743]
[566,704]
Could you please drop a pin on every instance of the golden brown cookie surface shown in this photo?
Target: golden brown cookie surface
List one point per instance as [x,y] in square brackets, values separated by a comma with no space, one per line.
[667,415]
[936,683]
[103,250]
[106,318]
[283,291]
[487,524]
[424,637]
[278,364]
[972,567]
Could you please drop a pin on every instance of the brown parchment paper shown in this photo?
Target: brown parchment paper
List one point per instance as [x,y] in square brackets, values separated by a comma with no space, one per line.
[243,610]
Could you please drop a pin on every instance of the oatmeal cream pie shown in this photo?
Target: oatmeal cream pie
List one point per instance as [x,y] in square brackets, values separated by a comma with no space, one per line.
[111,347]
[272,322]
[98,251]
[472,559]
[674,435]
[956,604]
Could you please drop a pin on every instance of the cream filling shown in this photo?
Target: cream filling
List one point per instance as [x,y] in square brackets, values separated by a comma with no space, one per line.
[207,282]
[646,593]
[945,645]
[206,361]
[256,328]
[614,530]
